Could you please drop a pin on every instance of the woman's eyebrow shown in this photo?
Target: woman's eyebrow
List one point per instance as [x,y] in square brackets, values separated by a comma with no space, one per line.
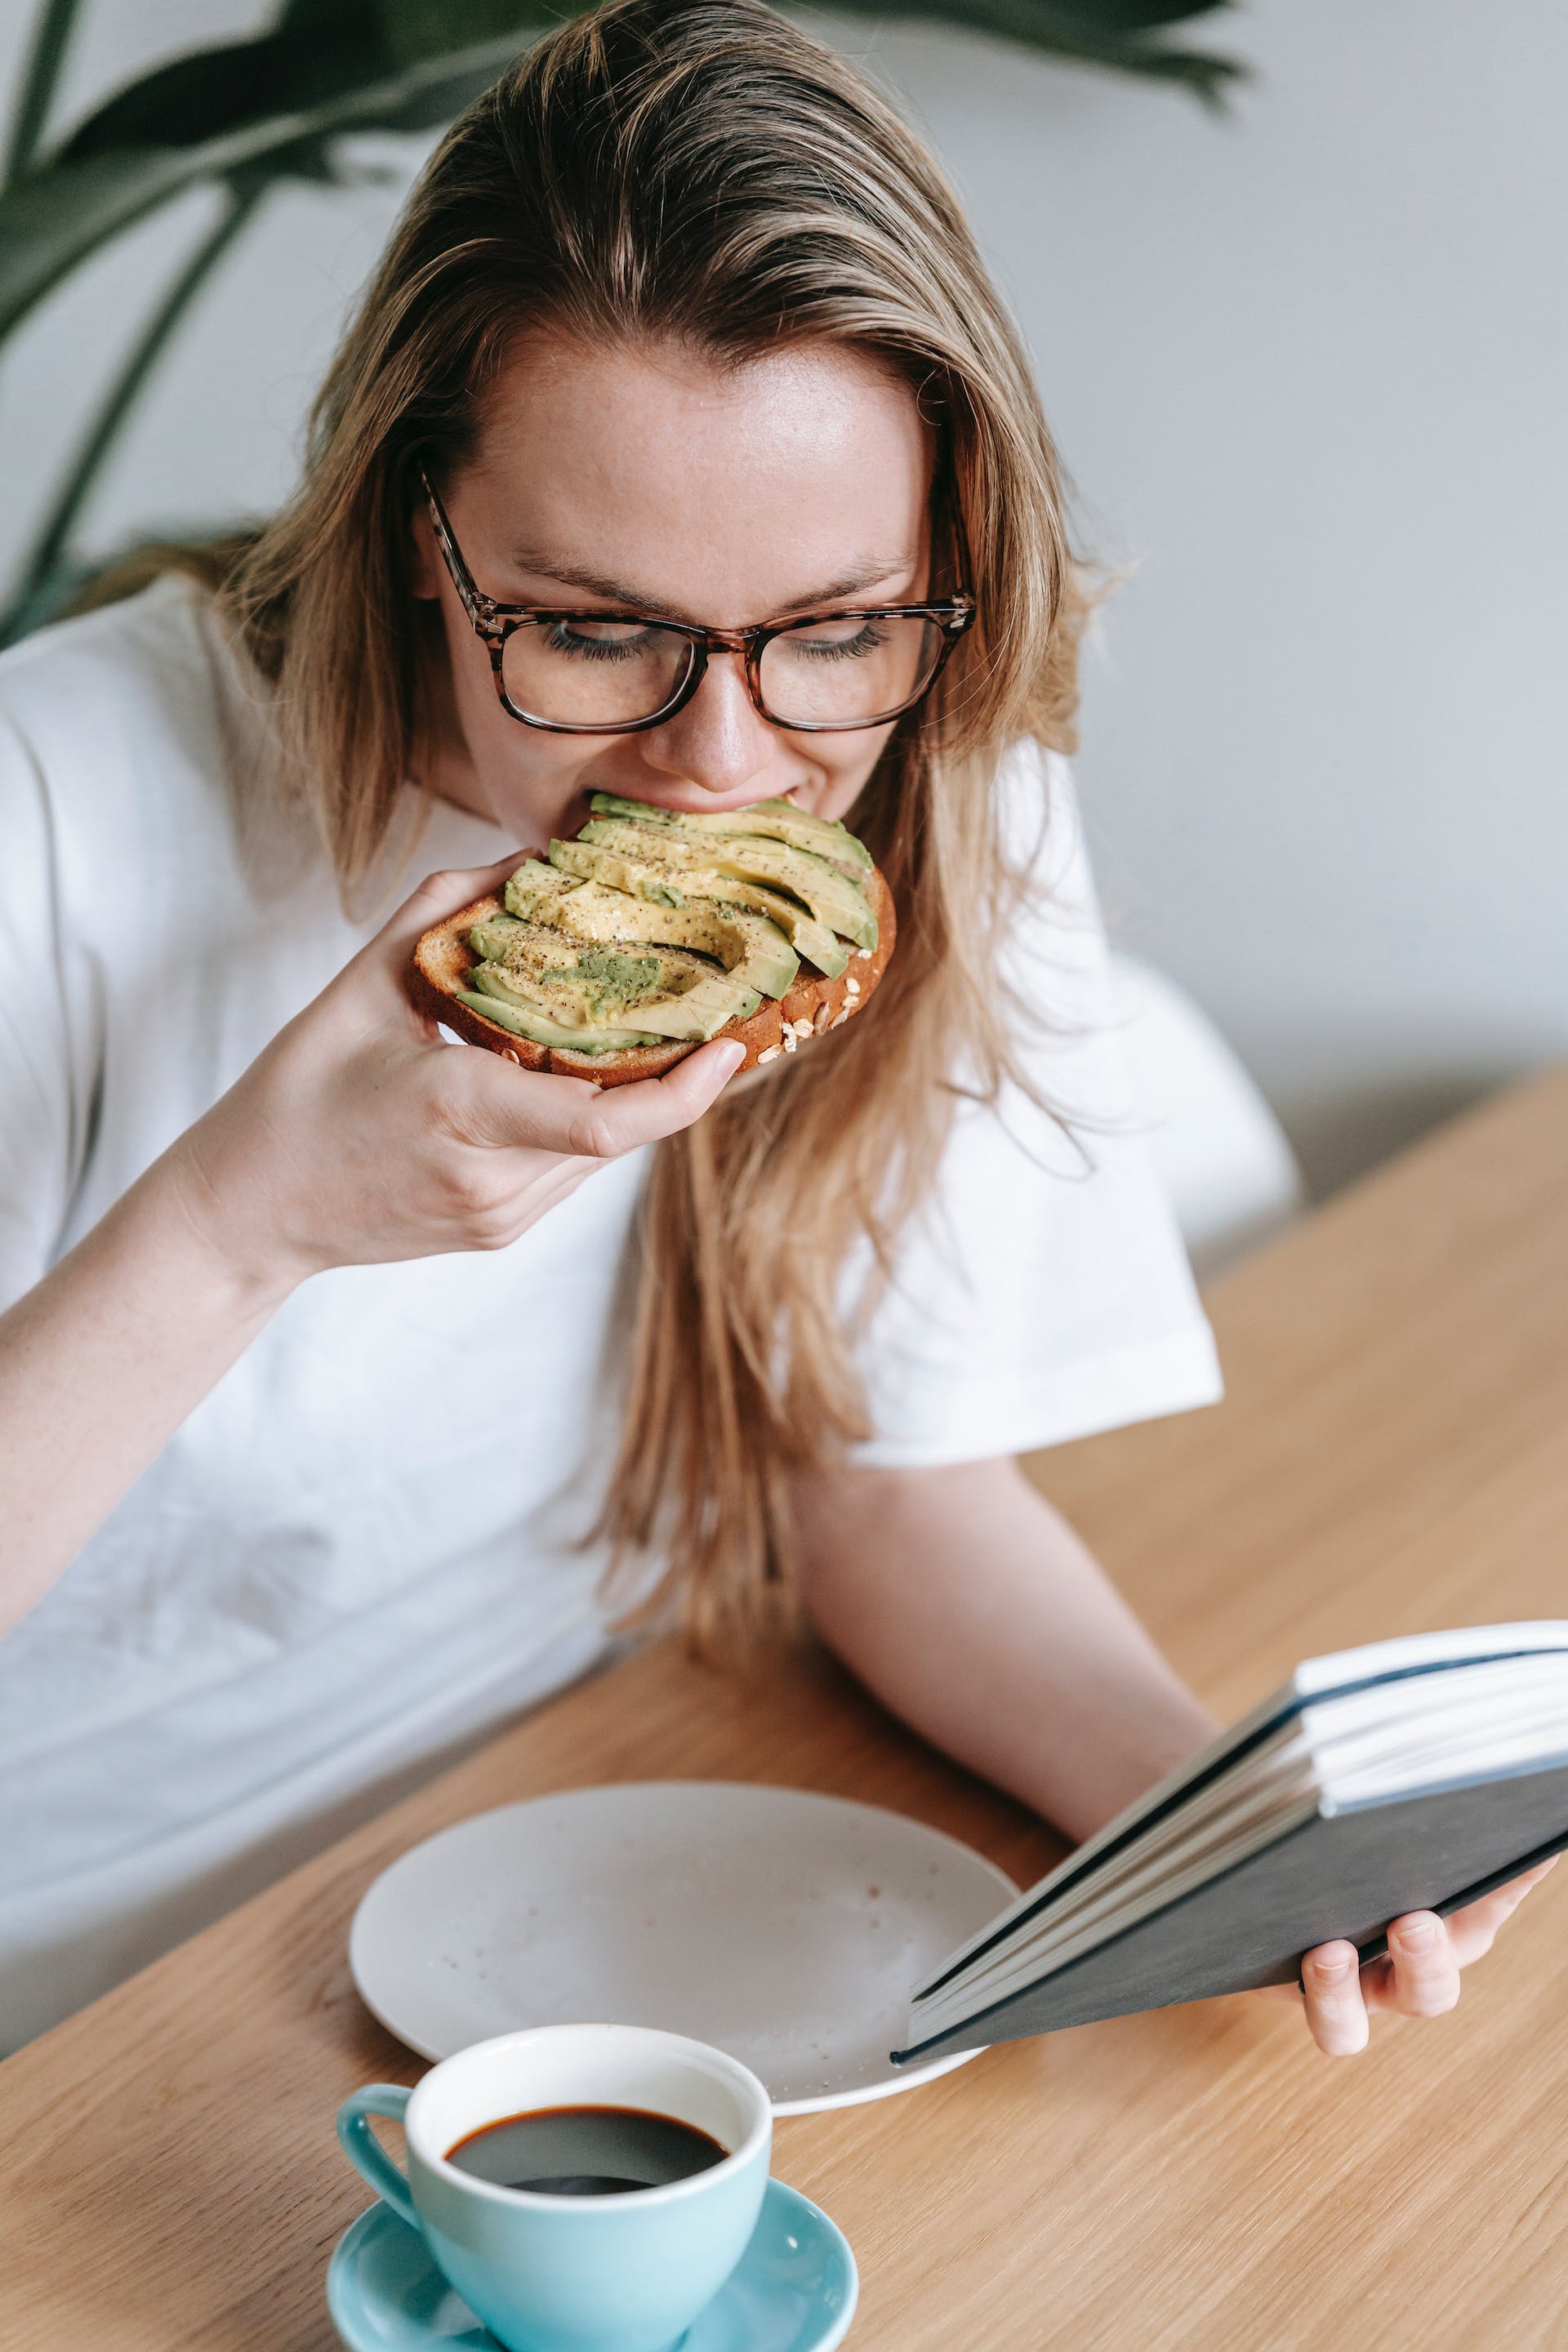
[870,572]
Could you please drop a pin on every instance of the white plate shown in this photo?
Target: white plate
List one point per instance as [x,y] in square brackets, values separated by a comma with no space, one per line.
[784,1928]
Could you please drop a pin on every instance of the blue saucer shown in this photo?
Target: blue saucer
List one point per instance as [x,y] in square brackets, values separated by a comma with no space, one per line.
[794,2289]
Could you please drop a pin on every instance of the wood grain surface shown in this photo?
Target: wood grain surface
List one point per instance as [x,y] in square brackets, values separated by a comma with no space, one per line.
[1392,1455]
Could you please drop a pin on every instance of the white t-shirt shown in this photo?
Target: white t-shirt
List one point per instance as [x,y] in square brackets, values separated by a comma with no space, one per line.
[356,1555]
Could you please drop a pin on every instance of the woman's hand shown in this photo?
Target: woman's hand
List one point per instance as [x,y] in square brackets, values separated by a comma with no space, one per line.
[1418,1978]
[358,1137]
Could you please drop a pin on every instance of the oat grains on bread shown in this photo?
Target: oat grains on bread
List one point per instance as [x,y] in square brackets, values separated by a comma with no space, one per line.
[814,1004]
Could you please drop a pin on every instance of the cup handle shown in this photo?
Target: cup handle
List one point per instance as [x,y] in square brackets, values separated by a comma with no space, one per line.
[364,2151]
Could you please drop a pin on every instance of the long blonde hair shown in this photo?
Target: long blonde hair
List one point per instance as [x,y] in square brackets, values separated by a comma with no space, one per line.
[700,169]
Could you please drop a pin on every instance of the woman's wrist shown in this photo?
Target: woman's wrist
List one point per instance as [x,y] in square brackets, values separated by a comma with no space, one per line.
[213,1241]
[102,1360]
[1150,1731]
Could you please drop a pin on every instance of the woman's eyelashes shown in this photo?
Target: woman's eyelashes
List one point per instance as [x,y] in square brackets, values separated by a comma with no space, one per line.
[866,639]
[585,639]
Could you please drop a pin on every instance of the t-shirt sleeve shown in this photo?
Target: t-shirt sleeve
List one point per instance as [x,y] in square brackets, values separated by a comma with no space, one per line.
[1043,1292]
[45,1096]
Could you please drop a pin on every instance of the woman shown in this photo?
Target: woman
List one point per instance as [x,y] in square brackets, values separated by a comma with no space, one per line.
[318,1367]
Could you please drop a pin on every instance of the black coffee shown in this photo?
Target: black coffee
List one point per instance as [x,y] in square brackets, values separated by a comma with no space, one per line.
[585,2151]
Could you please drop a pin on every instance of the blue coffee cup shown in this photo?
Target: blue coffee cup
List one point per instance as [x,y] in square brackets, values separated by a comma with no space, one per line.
[626,2272]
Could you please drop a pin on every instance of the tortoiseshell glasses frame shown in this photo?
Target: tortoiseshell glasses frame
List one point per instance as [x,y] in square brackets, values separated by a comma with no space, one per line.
[494,624]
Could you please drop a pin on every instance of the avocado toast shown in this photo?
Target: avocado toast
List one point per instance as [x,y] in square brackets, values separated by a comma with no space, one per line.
[652,933]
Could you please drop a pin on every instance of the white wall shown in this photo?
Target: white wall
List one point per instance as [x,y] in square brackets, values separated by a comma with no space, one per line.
[1308,365]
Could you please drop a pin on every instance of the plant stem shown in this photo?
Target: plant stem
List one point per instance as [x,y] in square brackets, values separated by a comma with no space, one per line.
[46,55]
[109,417]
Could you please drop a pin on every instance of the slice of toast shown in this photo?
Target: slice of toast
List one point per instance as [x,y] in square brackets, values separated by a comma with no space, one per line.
[442,959]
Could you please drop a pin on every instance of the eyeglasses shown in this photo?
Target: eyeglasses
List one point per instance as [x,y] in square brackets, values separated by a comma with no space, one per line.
[616,672]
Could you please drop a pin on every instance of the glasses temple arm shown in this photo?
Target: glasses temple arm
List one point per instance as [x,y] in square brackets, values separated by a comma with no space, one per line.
[477,606]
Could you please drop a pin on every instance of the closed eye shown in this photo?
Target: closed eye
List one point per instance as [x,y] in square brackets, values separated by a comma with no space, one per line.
[601,641]
[820,645]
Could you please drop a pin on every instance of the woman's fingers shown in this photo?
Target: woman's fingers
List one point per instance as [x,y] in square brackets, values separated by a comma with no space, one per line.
[502,1106]
[1473,1930]
[654,1108]
[438,896]
[507,1108]
[1336,2014]
[1420,1977]
[373,985]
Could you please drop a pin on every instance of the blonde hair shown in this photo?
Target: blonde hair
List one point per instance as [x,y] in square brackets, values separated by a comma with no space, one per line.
[700,169]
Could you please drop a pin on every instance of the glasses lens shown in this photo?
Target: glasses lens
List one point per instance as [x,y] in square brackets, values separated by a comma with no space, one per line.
[589,673]
[847,672]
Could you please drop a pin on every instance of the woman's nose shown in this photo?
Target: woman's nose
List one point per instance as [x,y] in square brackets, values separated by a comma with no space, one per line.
[721,741]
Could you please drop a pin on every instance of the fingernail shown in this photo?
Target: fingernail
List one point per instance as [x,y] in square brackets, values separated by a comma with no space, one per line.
[1333,1971]
[735,1055]
[1417,1935]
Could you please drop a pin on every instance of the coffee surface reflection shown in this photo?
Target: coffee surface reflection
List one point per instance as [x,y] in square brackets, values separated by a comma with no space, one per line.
[585,2151]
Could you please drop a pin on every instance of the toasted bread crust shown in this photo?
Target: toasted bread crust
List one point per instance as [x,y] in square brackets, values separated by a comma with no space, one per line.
[442,957]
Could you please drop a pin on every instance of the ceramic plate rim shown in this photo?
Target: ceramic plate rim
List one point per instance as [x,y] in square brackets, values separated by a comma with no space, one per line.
[363,2224]
[907,2079]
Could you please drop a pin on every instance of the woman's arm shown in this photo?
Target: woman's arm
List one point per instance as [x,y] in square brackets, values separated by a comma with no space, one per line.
[100,1364]
[357,1138]
[972,1610]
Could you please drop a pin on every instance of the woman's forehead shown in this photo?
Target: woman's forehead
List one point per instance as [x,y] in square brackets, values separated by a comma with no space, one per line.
[760,484]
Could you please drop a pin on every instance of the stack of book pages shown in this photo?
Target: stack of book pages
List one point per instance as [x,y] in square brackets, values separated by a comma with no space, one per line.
[1412,1775]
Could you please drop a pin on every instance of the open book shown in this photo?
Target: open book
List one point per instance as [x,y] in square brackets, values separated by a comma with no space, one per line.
[1413,1775]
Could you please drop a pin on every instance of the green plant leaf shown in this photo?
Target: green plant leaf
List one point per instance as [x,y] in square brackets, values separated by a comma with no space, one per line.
[270,106]
[319,50]
[48,559]
[413,29]
[324,49]
[1132,16]
[46,55]
[54,217]
[419,28]
[209,91]
[1057,30]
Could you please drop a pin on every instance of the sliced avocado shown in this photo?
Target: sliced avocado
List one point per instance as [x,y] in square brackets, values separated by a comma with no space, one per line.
[586,985]
[502,939]
[592,982]
[532,883]
[773,820]
[704,1010]
[823,889]
[752,950]
[524,1022]
[603,862]
[805,934]
[693,1013]
[536,885]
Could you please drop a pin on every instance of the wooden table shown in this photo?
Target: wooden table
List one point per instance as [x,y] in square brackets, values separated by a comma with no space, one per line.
[1394,1454]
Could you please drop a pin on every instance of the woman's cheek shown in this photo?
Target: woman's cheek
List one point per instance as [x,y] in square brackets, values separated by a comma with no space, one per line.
[842,774]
